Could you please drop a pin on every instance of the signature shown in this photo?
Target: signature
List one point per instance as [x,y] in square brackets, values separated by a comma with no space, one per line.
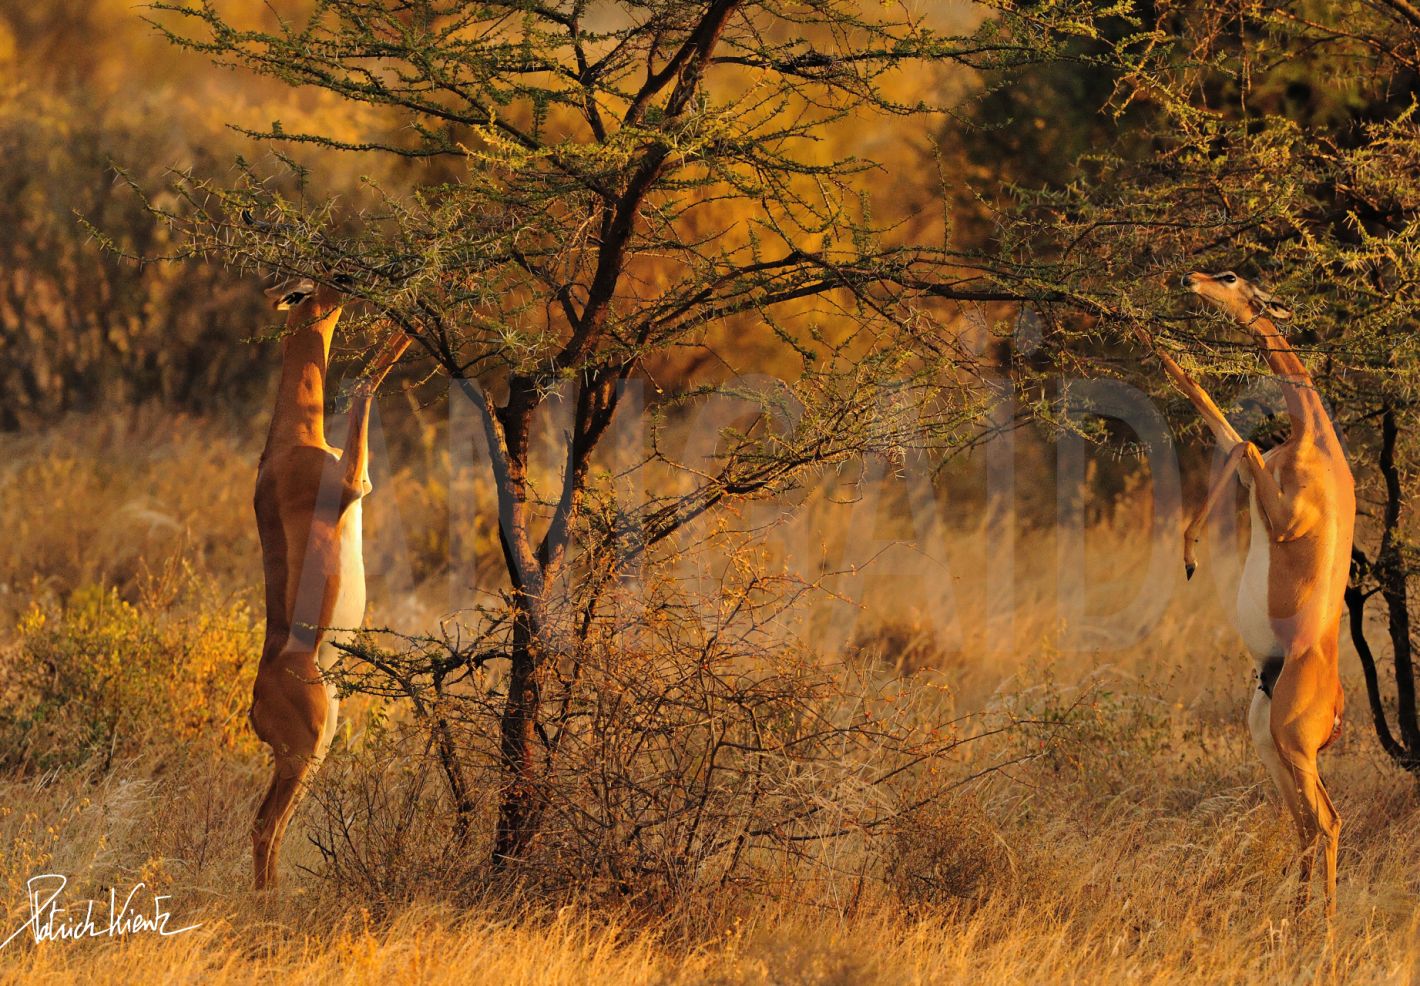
[48,921]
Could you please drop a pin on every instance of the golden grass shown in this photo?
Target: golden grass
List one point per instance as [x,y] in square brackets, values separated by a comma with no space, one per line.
[1143,848]
[1139,897]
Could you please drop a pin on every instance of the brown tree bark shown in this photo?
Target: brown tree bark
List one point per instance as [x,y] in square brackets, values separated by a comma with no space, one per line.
[518,803]
[1389,572]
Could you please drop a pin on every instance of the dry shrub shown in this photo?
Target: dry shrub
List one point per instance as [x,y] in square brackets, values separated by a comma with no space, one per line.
[950,855]
[384,826]
[902,647]
[689,755]
[1100,732]
[96,675]
[697,765]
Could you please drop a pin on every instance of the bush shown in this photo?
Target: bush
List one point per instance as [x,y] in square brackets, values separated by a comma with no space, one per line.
[1091,734]
[688,755]
[101,676]
[383,824]
[951,854]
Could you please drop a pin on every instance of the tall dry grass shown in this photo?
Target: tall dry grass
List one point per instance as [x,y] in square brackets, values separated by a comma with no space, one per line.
[1123,892]
[1139,845]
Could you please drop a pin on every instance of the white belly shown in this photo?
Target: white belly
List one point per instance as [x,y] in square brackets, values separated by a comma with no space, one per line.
[349,609]
[347,614]
[1253,622]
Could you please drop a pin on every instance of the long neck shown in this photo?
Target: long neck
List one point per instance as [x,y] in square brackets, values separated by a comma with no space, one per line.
[1304,406]
[299,418]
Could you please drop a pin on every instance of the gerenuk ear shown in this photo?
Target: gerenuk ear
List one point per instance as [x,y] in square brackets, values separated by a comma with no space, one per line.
[289,294]
[1270,305]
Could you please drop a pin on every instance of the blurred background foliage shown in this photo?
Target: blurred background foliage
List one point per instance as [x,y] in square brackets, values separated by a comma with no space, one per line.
[95,98]
[91,97]
[86,86]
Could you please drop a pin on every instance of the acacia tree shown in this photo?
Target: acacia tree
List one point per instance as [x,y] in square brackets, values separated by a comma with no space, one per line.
[1279,140]
[618,184]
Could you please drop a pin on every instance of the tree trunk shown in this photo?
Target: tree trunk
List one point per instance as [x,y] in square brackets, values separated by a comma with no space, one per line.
[1390,574]
[518,805]
[1356,605]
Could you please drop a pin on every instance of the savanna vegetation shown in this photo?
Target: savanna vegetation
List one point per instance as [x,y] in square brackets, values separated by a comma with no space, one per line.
[765,584]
